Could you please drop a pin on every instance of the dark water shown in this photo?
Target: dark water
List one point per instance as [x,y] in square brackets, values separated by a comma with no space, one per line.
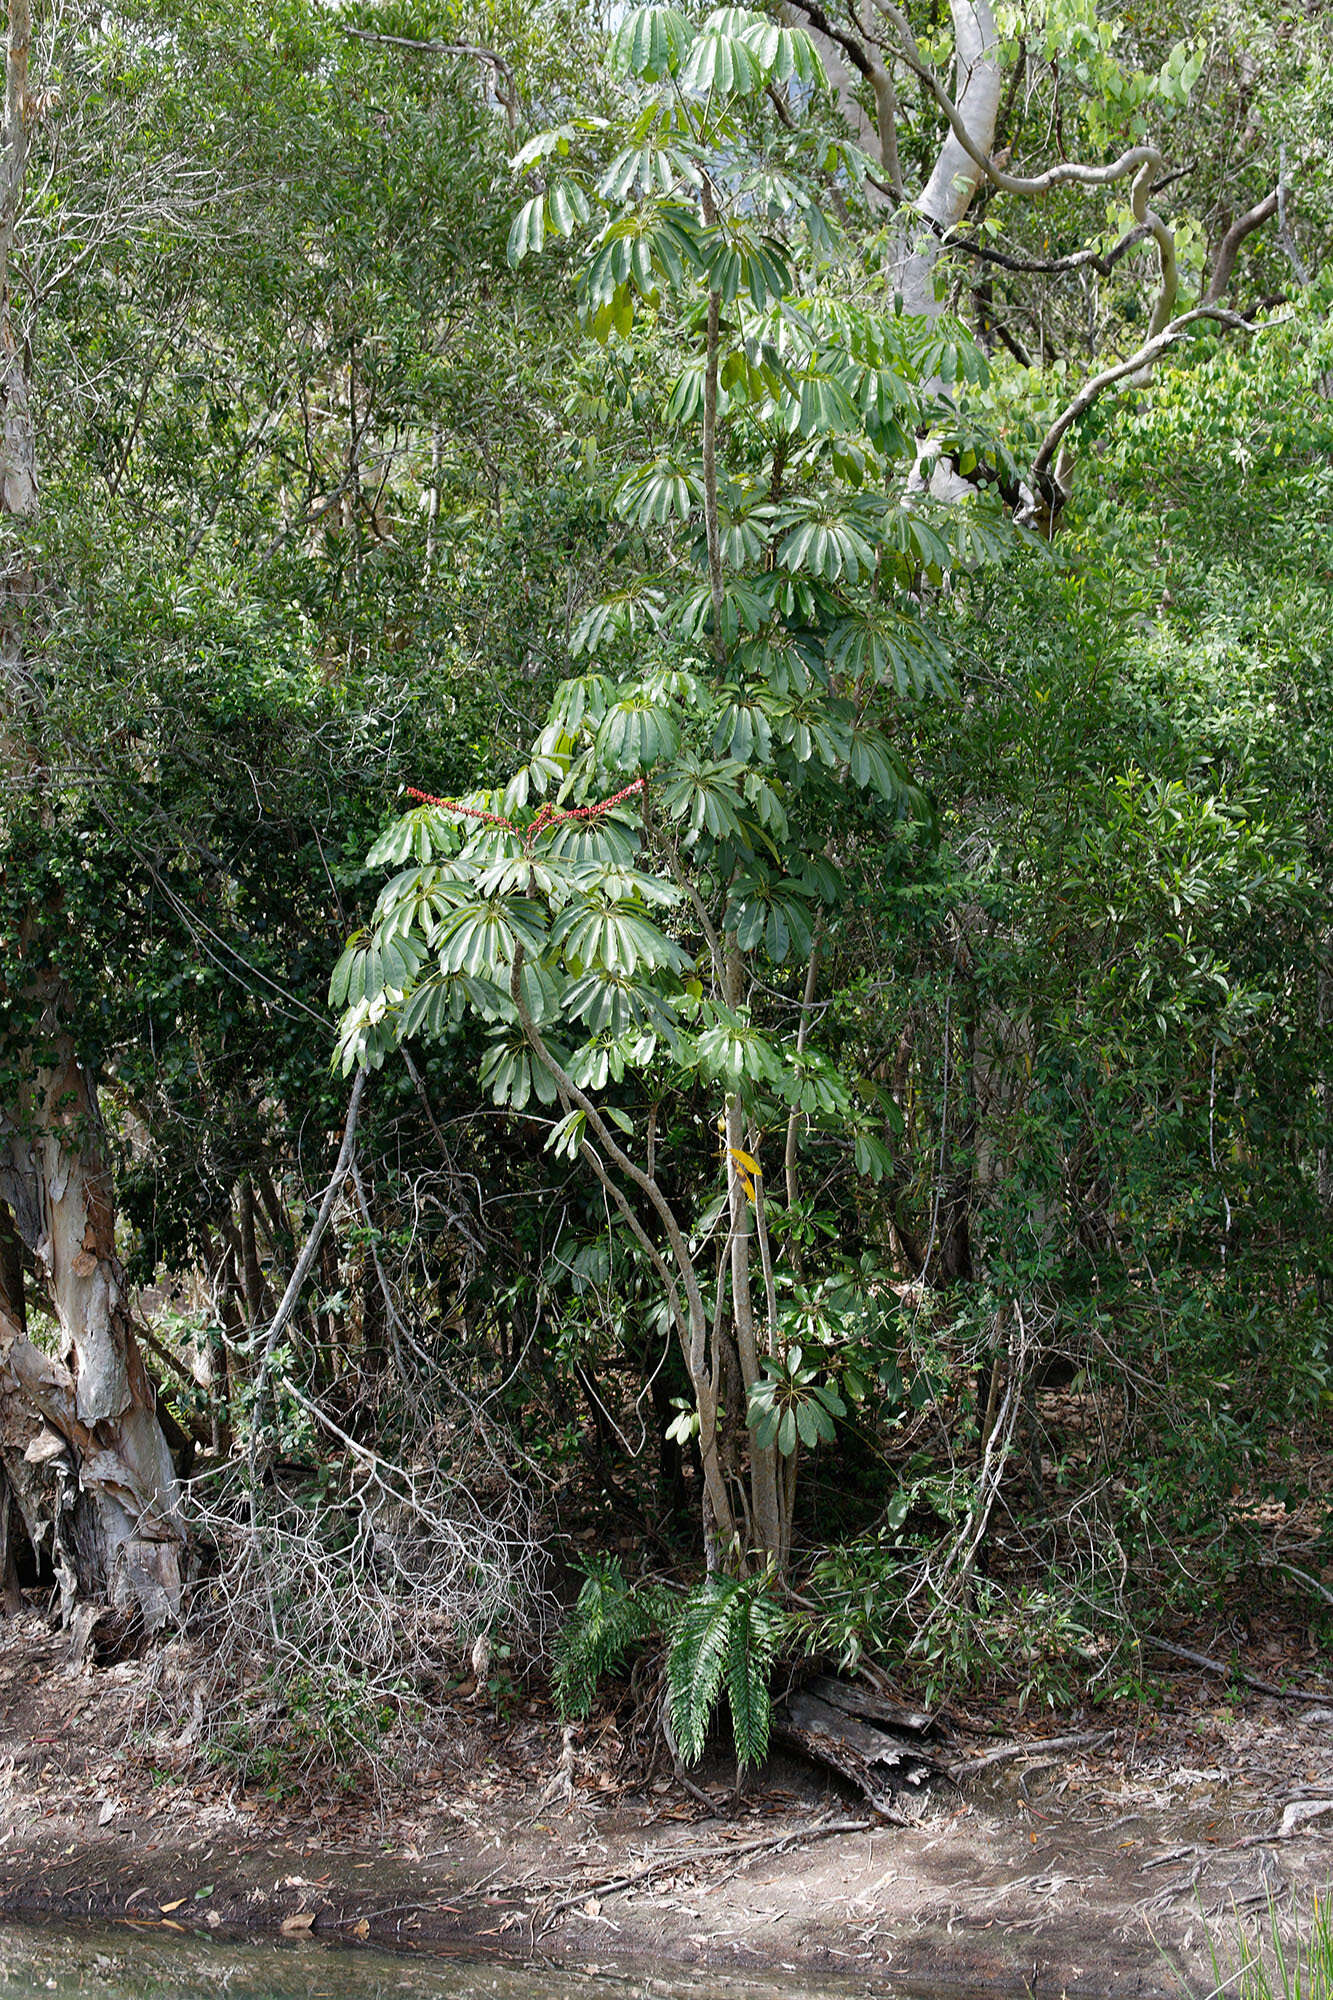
[121,1962]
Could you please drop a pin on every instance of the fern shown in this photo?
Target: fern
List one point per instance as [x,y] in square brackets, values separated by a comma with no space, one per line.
[608,1619]
[727,1632]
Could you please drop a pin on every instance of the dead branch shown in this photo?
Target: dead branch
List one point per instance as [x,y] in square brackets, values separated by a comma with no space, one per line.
[678,1858]
[316,1236]
[968,1767]
[1229,1673]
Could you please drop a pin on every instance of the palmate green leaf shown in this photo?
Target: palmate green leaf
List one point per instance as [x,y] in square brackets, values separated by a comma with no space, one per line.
[818,728]
[513,1075]
[566,207]
[891,645]
[686,402]
[651,42]
[732,1050]
[914,538]
[348,972]
[732,21]
[721,64]
[418,835]
[432,1008]
[769,914]
[873,763]
[745,608]
[382,965]
[825,407]
[611,1004]
[953,357]
[646,170]
[654,494]
[742,259]
[614,618]
[741,539]
[834,551]
[582,701]
[611,837]
[785,53]
[636,733]
[743,732]
[481,936]
[637,252]
[705,797]
[617,938]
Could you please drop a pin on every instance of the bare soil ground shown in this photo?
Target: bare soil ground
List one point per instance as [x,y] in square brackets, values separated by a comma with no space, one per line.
[1085,1871]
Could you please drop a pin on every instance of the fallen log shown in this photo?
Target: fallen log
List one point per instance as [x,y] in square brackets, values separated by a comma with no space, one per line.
[855,1699]
[879,1763]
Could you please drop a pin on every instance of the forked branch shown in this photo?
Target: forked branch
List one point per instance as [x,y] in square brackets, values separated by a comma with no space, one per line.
[506,89]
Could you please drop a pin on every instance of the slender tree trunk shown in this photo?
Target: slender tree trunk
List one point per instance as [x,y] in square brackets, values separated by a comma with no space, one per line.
[96,1483]
[767,1521]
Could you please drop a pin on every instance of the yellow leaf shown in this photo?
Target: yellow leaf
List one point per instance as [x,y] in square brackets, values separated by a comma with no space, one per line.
[746,1160]
[164,1907]
[746,1183]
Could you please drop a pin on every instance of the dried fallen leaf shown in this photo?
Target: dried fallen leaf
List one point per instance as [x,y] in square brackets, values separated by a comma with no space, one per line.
[297,1925]
[361,1928]
[166,1908]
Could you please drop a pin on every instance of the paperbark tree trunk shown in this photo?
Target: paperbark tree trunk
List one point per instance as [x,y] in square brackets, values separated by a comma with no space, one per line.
[80,1440]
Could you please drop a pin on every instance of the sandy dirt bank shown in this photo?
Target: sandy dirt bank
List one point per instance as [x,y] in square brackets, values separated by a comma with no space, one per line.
[1085,1871]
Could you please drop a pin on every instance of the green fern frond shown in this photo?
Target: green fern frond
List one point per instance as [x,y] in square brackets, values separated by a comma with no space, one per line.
[698,1656]
[727,1633]
[756,1627]
[609,1618]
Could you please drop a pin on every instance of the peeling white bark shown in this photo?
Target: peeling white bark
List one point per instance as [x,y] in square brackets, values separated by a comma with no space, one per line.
[958,172]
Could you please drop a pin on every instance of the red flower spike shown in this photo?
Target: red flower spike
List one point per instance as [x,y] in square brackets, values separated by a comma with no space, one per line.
[547,815]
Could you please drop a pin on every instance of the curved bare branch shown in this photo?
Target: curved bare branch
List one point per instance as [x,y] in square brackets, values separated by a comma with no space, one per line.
[1138,364]
[1229,248]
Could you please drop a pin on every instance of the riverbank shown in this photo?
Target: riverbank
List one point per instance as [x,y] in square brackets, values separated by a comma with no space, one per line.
[1063,1870]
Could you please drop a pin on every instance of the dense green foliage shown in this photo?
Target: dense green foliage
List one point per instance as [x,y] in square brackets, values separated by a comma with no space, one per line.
[849,1124]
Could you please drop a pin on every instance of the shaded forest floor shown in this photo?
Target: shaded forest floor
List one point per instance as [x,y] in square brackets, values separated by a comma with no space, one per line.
[1053,1870]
